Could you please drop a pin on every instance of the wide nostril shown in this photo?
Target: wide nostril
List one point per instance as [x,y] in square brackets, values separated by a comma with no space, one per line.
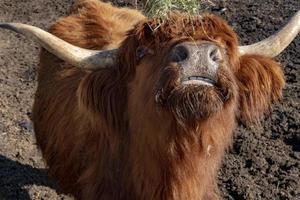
[179,53]
[214,53]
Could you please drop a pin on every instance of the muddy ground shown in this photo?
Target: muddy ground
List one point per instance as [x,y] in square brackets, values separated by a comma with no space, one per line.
[264,163]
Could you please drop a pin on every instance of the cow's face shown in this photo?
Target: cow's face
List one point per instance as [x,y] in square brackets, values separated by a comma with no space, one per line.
[195,79]
[186,65]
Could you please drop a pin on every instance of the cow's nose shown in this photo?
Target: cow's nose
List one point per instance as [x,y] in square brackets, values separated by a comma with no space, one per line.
[207,53]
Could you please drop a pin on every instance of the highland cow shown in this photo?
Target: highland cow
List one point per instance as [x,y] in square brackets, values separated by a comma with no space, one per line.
[134,108]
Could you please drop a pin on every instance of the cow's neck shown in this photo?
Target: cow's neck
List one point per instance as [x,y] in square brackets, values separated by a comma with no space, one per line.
[168,163]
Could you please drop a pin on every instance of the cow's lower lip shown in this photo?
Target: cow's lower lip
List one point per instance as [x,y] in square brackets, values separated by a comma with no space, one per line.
[198,80]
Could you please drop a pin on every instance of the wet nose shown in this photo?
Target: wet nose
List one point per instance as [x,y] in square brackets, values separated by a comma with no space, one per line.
[206,53]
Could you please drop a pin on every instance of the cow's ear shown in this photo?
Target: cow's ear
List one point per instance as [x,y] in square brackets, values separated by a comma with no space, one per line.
[260,81]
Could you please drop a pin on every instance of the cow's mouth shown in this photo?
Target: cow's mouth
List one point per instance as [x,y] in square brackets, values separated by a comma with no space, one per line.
[199,80]
[194,97]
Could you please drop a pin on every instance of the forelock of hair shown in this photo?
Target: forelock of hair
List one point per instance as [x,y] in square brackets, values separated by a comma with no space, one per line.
[176,26]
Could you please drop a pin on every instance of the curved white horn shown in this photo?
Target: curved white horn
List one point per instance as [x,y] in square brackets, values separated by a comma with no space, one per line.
[79,57]
[275,44]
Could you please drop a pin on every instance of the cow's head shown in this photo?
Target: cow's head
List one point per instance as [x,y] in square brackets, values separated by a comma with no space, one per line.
[186,64]
[191,67]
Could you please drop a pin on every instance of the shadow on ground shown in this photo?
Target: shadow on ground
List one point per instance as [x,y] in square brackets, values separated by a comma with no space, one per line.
[15,176]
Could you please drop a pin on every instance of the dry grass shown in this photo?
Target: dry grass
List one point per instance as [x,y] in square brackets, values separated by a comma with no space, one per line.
[159,8]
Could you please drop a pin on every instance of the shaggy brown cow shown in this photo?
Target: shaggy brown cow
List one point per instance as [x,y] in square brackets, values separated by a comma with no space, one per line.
[151,114]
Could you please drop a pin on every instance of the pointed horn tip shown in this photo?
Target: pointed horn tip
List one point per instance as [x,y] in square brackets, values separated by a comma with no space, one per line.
[297,16]
[9,26]
[5,25]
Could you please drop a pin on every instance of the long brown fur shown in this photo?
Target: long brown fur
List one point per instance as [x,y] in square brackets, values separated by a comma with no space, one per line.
[103,134]
[260,81]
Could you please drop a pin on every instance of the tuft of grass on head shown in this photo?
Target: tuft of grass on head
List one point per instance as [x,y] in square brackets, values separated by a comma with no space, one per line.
[160,8]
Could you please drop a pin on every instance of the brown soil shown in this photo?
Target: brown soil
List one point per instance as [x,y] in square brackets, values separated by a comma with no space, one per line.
[264,162]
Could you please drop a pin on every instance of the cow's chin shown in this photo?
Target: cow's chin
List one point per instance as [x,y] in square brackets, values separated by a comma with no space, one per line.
[191,103]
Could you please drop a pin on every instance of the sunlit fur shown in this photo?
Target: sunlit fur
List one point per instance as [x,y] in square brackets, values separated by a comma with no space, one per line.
[260,82]
[109,134]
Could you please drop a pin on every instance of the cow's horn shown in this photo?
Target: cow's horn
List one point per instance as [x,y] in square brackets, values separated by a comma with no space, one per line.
[79,57]
[275,44]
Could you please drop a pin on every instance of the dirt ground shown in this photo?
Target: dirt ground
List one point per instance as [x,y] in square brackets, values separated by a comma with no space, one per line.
[264,162]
